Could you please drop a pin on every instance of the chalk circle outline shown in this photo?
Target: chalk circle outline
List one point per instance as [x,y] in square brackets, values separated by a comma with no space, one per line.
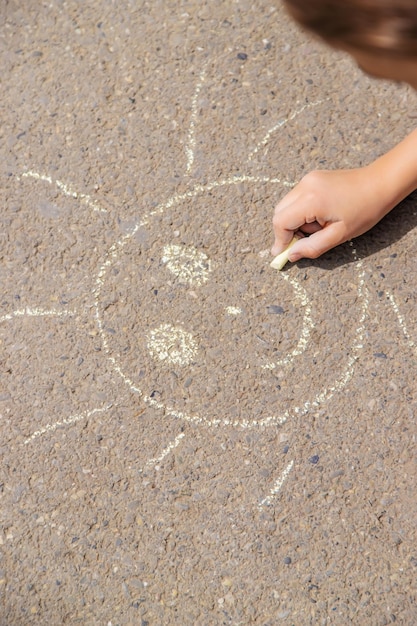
[270,420]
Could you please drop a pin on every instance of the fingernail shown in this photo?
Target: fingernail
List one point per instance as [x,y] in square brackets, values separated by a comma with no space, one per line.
[293,258]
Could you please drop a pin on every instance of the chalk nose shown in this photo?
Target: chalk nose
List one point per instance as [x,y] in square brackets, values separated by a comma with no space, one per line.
[233,310]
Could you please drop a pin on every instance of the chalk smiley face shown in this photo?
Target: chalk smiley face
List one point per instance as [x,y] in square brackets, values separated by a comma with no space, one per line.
[201,325]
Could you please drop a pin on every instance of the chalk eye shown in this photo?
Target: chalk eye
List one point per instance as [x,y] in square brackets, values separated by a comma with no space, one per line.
[172,345]
[188,264]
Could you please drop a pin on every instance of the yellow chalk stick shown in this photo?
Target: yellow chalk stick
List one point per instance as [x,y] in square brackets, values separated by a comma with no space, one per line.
[282,258]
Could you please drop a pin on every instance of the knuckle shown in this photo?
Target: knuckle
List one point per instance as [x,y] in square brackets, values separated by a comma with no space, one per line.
[313,252]
[277,219]
[312,183]
[313,177]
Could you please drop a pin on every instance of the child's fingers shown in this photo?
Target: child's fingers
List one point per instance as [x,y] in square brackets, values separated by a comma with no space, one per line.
[309,229]
[318,243]
[282,242]
[287,220]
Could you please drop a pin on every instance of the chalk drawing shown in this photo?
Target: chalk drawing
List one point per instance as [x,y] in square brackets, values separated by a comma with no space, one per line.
[282,123]
[28,312]
[401,321]
[155,462]
[66,189]
[268,501]
[190,147]
[233,310]
[174,344]
[67,421]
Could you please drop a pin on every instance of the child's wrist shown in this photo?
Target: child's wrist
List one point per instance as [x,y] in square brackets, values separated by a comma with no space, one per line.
[395,173]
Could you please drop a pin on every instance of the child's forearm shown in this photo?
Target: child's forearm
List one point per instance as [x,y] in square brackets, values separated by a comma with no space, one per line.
[395,173]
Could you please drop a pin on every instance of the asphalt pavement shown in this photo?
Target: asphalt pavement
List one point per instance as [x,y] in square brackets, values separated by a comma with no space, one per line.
[189,437]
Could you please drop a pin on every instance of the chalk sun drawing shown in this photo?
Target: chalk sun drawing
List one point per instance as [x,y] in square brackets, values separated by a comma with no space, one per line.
[172,343]
[172,336]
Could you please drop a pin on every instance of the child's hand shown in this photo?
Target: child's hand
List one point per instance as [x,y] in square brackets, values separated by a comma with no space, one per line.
[330,206]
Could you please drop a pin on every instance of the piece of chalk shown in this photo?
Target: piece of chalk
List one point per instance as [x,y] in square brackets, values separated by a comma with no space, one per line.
[282,258]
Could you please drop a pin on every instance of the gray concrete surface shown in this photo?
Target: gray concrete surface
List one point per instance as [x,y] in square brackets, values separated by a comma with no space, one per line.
[187,436]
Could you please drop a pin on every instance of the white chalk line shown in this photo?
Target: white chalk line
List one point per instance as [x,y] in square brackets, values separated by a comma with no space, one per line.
[68,421]
[126,379]
[268,501]
[282,123]
[308,325]
[36,313]
[199,189]
[155,461]
[190,147]
[66,189]
[401,320]
[112,254]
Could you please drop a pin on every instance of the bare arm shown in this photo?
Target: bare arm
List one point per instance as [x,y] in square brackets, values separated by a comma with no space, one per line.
[335,206]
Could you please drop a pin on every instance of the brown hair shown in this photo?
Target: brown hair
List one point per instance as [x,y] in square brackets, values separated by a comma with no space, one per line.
[374,25]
